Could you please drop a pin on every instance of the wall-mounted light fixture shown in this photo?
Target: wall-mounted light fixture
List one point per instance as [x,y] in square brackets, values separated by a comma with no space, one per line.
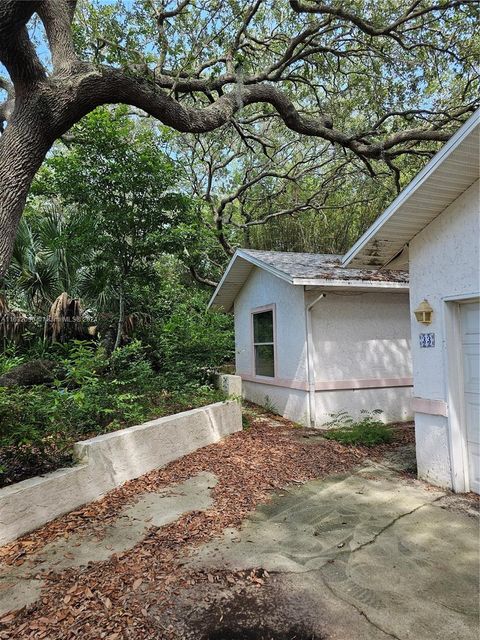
[423,313]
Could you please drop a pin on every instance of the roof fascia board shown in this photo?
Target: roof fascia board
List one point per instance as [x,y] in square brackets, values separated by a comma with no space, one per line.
[415,184]
[254,261]
[222,280]
[351,284]
[266,267]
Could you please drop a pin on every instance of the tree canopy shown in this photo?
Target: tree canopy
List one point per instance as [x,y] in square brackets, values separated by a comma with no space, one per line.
[102,212]
[377,81]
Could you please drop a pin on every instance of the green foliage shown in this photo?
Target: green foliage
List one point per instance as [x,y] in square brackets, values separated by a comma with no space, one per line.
[48,255]
[117,210]
[182,339]
[116,173]
[8,360]
[94,394]
[368,430]
[193,341]
[268,404]
[246,424]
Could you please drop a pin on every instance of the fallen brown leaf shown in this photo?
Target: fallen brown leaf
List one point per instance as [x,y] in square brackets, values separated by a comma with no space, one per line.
[249,466]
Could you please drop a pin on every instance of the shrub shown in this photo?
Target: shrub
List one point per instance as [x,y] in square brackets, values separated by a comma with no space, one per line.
[9,361]
[192,342]
[103,393]
[94,393]
[32,437]
[367,430]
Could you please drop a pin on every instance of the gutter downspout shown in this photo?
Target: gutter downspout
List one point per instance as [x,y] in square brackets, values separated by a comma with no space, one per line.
[310,365]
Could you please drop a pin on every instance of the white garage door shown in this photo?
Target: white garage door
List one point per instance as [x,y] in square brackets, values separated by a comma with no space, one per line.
[470,324]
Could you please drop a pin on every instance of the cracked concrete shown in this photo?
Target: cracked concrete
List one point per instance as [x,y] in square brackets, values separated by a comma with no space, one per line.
[387,551]
[304,527]
[20,586]
[372,555]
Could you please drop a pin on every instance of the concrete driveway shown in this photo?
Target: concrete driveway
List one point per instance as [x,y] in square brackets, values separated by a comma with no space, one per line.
[370,556]
[367,555]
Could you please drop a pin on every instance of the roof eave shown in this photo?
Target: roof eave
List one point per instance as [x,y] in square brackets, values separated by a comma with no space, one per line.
[239,253]
[414,185]
[211,302]
[352,284]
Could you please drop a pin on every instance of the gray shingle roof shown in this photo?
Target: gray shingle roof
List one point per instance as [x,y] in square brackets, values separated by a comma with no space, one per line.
[321,266]
[312,269]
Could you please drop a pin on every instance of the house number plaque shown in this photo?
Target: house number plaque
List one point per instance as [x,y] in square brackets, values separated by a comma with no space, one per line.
[427,340]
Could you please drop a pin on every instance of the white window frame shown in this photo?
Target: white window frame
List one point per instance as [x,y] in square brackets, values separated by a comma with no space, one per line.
[253,313]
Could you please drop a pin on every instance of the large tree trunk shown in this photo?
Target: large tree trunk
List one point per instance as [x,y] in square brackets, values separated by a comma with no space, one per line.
[23,147]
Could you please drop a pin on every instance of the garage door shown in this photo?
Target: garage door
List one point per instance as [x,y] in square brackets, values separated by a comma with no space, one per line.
[470,326]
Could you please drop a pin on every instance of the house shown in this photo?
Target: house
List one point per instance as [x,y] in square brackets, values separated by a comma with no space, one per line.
[313,338]
[433,229]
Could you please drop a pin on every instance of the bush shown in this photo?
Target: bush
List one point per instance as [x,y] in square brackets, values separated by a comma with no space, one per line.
[368,430]
[94,394]
[192,343]
[9,360]
[32,437]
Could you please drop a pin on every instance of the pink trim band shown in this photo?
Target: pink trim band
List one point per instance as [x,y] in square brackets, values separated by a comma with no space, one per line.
[331,385]
[365,383]
[432,407]
[275,382]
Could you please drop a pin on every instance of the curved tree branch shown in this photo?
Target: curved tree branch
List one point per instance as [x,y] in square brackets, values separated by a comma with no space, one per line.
[16,50]
[57,16]
[112,85]
[367,27]
[200,279]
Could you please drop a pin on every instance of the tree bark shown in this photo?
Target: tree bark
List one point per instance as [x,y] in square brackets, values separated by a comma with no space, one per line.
[121,318]
[23,147]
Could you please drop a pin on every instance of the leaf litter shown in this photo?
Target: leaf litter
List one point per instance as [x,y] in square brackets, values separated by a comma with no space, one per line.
[129,595]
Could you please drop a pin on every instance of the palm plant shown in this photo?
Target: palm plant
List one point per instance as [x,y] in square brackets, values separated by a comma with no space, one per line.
[44,276]
[54,266]
[44,263]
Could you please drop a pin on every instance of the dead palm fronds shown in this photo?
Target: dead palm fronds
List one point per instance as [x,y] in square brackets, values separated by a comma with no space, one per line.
[135,320]
[64,318]
[12,323]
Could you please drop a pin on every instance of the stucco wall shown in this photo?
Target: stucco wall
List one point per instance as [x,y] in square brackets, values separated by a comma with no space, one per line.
[432,449]
[263,289]
[395,402]
[289,403]
[110,460]
[444,262]
[362,337]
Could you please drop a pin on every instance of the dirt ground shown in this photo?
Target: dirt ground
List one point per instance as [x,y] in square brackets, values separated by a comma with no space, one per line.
[237,541]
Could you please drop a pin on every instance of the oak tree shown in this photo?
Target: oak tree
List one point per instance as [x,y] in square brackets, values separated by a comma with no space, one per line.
[198,65]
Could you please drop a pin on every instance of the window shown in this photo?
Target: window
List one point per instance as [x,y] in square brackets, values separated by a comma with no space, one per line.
[263,344]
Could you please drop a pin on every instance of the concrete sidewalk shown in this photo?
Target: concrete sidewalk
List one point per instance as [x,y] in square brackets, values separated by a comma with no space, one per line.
[21,585]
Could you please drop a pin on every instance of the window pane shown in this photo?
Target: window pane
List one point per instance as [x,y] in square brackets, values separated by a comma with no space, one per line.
[264,360]
[263,327]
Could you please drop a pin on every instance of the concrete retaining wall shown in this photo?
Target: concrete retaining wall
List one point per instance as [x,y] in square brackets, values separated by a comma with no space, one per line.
[230,384]
[107,461]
